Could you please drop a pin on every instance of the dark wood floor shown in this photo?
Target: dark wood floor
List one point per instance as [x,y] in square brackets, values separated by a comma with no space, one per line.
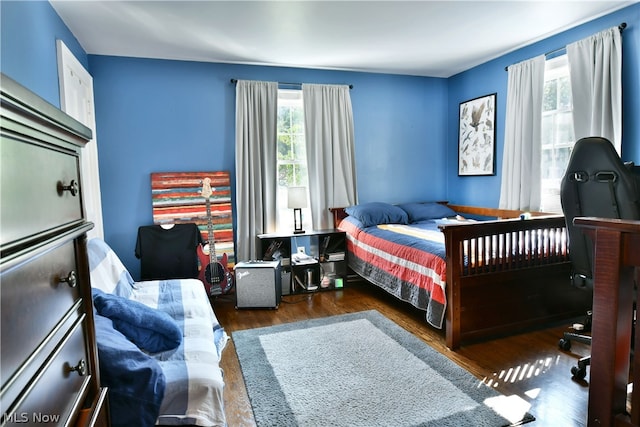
[528,365]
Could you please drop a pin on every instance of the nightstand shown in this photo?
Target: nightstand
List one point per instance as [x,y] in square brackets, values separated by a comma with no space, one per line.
[324,263]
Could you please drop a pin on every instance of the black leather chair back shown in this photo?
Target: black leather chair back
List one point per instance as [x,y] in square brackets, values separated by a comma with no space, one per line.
[596,183]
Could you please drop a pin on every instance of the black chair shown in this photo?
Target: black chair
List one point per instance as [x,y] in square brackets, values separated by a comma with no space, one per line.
[596,184]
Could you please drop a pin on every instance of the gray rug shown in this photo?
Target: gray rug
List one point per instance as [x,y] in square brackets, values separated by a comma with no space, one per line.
[362,369]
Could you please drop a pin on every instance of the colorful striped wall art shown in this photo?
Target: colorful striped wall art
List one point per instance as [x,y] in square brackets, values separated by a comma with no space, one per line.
[177,198]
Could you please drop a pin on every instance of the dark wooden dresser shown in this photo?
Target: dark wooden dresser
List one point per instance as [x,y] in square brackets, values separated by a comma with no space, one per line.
[48,361]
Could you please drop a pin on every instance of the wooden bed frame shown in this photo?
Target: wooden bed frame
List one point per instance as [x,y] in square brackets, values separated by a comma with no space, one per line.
[518,277]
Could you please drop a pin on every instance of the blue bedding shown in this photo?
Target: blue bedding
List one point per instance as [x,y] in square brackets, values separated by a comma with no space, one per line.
[135,380]
[406,260]
[150,329]
[430,239]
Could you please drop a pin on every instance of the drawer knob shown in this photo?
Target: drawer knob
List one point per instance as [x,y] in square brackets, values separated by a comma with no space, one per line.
[71,279]
[72,188]
[80,368]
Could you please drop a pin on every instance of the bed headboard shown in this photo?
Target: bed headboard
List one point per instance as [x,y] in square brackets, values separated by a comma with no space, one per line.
[338,215]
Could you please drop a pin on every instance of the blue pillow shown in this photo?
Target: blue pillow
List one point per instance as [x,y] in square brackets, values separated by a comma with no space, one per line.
[150,329]
[374,213]
[424,211]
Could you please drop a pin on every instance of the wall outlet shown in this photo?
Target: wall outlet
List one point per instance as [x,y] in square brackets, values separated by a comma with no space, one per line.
[301,249]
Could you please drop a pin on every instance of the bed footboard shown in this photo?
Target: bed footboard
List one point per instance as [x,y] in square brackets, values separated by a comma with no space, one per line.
[508,275]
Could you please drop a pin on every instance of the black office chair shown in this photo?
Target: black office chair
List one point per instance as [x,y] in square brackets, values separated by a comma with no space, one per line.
[597,184]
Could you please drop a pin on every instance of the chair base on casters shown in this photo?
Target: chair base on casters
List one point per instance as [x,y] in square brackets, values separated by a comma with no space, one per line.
[579,372]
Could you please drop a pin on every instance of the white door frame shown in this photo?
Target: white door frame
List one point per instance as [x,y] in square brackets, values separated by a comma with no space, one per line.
[76,99]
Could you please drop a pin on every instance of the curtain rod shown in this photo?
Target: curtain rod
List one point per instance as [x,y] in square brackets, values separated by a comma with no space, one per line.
[234,81]
[621,27]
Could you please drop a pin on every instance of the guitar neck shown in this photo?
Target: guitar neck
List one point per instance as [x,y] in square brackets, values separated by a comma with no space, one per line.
[212,247]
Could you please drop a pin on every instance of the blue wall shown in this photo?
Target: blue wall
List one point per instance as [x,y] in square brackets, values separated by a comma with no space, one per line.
[28,46]
[160,116]
[155,116]
[492,78]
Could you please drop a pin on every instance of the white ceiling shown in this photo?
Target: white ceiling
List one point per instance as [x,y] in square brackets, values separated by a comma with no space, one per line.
[423,38]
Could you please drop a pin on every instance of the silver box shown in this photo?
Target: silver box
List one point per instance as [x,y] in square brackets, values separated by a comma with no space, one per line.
[258,284]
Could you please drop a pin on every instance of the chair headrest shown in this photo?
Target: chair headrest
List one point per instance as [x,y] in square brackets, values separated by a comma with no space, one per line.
[594,154]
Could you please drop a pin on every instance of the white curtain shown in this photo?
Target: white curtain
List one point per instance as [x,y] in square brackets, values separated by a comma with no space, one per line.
[595,69]
[256,148]
[329,135]
[520,187]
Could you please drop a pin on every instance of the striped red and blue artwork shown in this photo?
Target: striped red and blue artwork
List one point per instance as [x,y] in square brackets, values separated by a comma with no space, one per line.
[177,198]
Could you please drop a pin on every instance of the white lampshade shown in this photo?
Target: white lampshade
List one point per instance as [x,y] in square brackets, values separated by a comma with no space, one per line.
[297,197]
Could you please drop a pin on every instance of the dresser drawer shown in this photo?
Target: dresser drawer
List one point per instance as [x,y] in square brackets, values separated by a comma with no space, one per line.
[98,414]
[35,299]
[58,389]
[39,189]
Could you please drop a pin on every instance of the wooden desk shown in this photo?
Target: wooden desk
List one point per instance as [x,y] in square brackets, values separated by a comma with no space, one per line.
[616,254]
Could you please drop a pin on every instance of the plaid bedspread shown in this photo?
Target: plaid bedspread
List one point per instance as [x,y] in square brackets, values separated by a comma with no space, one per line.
[407,261]
[194,383]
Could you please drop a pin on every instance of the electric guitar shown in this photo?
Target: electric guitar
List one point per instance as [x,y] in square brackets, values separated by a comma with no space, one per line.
[213,273]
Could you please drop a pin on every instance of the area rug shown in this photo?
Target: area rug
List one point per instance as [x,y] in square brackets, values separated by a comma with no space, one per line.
[362,369]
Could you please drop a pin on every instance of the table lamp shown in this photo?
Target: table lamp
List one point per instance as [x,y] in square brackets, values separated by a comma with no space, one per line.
[297,199]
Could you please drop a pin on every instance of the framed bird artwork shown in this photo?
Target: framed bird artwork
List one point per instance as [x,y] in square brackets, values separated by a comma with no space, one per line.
[477,136]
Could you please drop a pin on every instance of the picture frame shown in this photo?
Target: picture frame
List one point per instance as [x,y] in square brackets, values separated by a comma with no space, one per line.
[477,136]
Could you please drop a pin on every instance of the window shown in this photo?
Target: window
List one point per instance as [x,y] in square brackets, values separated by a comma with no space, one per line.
[557,131]
[292,157]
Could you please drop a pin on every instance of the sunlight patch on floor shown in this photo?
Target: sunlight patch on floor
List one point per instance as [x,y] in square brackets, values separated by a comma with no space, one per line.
[511,407]
[533,393]
[521,372]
